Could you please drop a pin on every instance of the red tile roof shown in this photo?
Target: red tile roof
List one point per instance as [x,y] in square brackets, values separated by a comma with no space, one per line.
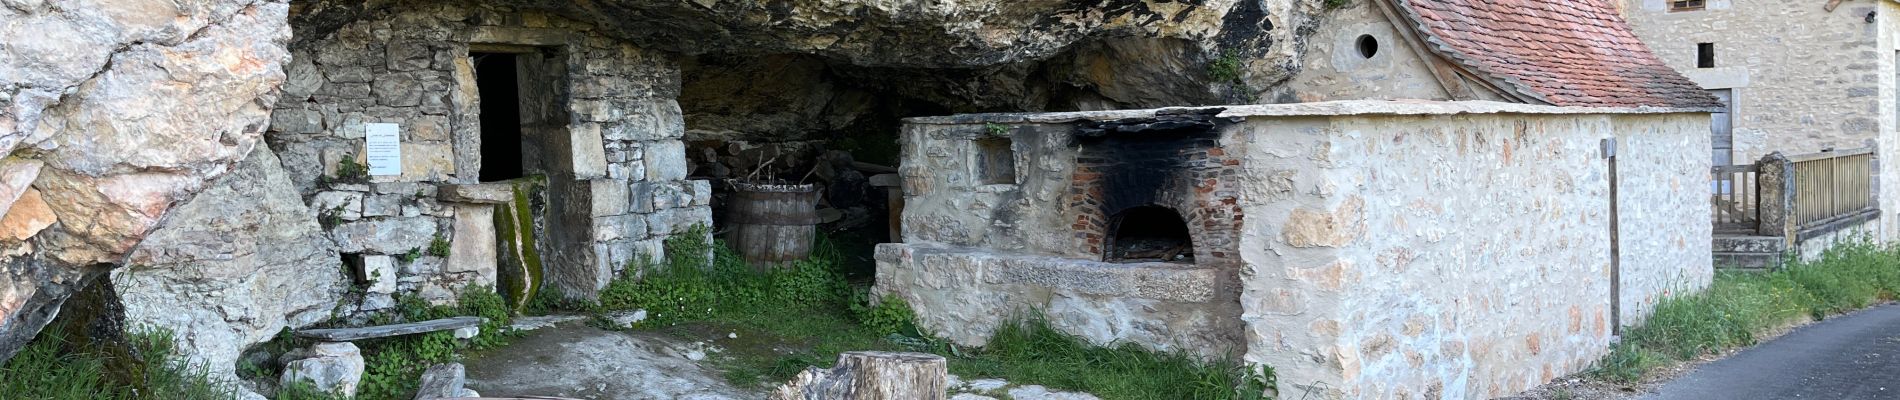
[1563,52]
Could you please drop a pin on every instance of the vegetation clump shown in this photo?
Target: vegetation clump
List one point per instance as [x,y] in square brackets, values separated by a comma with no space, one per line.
[43,370]
[1739,307]
[779,321]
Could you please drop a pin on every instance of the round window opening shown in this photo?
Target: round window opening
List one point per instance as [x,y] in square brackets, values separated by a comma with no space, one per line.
[1368,46]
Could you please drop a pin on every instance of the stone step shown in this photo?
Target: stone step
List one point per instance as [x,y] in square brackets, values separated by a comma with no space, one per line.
[1747,261]
[382,331]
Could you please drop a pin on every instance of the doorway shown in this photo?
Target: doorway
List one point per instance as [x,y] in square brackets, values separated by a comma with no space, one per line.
[497,80]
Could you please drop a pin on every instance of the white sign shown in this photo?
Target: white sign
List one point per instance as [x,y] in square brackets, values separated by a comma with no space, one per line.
[384,143]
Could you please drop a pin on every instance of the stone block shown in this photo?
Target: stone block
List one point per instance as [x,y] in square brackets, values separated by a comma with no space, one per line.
[296,120]
[301,76]
[379,271]
[383,205]
[678,220]
[384,235]
[478,193]
[427,161]
[665,160]
[589,155]
[610,228]
[348,74]
[647,120]
[609,197]
[701,190]
[340,204]
[427,128]
[335,367]
[398,90]
[473,246]
[408,55]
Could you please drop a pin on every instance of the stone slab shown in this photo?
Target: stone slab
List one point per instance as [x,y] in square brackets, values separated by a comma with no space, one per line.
[383,331]
[479,193]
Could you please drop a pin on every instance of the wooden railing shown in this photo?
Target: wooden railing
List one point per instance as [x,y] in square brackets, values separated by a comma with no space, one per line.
[1831,185]
[1788,196]
[1735,198]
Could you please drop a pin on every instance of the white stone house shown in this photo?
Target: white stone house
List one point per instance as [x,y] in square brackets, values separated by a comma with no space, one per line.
[1363,249]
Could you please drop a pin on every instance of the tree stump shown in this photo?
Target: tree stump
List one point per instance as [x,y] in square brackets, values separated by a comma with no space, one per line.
[871,375]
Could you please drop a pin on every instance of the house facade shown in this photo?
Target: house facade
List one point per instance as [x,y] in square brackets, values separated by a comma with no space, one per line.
[1796,77]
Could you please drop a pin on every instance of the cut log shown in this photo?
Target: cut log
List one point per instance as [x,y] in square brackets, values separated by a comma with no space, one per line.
[871,375]
[383,331]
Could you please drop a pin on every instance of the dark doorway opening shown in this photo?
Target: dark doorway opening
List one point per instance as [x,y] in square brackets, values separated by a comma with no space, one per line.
[1149,234]
[497,81]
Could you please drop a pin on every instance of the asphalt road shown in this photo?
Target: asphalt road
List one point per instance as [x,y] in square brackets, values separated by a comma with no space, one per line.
[1856,356]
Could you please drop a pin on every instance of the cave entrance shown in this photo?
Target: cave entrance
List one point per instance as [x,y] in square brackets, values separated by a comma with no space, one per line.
[498,81]
[1149,234]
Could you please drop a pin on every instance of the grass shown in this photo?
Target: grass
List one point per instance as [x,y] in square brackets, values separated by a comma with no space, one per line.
[805,314]
[43,370]
[1740,307]
[394,366]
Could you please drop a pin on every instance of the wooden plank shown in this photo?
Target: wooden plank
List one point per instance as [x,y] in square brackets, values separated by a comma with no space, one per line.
[1733,169]
[382,331]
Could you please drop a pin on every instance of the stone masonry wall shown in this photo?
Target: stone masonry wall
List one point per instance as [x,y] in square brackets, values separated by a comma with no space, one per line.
[1803,78]
[1460,256]
[1388,250]
[1334,69]
[615,164]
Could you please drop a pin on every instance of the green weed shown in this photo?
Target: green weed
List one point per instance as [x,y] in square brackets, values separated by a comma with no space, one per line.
[43,371]
[1739,307]
[394,365]
[802,315]
[439,246]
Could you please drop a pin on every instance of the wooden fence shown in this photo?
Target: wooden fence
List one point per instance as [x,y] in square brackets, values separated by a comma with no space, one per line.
[1831,185]
[1780,195]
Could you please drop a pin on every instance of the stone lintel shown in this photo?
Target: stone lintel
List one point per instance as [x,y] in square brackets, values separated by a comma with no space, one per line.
[478,193]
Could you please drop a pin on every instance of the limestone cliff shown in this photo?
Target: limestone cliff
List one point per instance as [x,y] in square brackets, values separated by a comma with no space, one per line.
[111,113]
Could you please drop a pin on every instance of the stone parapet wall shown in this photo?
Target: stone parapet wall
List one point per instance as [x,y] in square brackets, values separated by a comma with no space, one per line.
[1388,249]
[1161,306]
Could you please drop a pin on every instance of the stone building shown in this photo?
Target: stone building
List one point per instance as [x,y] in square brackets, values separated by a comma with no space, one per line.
[1363,249]
[428,147]
[1797,77]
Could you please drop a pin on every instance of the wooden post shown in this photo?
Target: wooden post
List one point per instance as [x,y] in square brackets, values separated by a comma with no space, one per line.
[871,375]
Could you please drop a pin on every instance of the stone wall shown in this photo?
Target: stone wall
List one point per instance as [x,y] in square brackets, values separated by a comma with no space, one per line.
[1406,250]
[606,137]
[1803,78]
[1335,68]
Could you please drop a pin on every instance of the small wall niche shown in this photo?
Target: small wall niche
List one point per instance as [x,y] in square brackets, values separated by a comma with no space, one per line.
[995,163]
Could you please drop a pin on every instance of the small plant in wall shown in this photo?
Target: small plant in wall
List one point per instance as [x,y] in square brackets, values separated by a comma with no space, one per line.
[331,217]
[1337,4]
[348,171]
[996,129]
[411,256]
[440,246]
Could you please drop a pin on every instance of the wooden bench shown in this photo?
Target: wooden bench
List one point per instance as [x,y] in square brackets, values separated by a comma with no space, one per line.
[383,331]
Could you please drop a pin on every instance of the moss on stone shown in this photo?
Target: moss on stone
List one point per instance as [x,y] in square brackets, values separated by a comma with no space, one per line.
[520,267]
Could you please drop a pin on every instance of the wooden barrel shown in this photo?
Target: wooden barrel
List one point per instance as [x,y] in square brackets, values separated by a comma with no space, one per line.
[772,225]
